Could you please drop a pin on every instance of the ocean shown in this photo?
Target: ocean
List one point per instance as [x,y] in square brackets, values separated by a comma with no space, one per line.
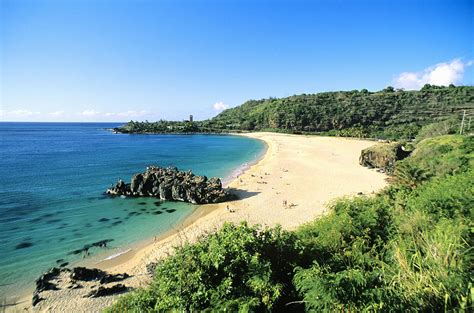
[52,182]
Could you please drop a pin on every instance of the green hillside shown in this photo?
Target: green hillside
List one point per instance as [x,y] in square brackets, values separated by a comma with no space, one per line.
[387,113]
[391,114]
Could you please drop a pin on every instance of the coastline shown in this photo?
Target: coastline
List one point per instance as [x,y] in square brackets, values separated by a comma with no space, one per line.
[201,211]
[306,171]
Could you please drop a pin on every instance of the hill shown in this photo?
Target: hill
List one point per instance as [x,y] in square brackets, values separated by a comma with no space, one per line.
[387,113]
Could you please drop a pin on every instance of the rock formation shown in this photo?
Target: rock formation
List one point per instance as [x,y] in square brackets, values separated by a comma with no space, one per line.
[172,184]
[64,278]
[107,291]
[383,156]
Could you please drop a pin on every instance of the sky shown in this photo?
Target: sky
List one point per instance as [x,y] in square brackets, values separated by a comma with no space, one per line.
[104,60]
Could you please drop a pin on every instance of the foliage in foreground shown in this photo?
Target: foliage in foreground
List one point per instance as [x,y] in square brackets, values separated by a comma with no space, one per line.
[409,248]
[239,267]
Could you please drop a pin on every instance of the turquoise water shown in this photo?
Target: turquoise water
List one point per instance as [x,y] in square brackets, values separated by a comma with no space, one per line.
[52,179]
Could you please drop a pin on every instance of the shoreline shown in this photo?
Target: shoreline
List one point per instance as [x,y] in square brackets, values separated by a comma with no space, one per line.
[107,261]
[306,171]
[200,212]
[103,259]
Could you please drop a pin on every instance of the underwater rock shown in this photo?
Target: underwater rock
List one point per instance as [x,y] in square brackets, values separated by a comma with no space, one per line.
[23,245]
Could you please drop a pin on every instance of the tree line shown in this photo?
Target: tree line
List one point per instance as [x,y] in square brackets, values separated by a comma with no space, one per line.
[388,113]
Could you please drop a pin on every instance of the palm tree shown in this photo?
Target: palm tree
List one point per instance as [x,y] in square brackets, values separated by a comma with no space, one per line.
[409,175]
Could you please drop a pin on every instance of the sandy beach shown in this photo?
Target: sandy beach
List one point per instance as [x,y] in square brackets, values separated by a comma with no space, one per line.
[305,172]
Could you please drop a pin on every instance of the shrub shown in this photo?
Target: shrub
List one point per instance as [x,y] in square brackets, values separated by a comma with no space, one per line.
[446,127]
[440,156]
[409,175]
[450,197]
[432,263]
[348,251]
[239,267]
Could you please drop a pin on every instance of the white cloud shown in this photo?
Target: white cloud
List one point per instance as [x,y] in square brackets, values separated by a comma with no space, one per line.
[130,113]
[18,113]
[56,113]
[220,106]
[90,112]
[441,74]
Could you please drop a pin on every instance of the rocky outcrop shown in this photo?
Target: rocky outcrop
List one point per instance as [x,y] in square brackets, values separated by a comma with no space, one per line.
[107,291]
[172,184]
[383,156]
[87,274]
[65,278]
[44,283]
[111,278]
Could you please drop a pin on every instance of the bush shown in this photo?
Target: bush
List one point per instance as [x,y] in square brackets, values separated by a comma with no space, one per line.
[348,250]
[432,263]
[445,198]
[447,127]
[239,267]
[409,175]
[440,156]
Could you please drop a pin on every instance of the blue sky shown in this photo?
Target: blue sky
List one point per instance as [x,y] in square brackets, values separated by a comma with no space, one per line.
[99,60]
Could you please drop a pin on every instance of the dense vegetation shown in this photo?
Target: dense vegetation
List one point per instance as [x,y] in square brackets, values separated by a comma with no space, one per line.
[409,248]
[389,113]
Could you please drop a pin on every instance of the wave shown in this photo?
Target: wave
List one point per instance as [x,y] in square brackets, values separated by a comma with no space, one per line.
[113,256]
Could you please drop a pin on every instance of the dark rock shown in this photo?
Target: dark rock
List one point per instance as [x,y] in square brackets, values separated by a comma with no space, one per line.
[110,278]
[75,252]
[56,220]
[107,291]
[383,156]
[36,299]
[103,220]
[43,282]
[64,264]
[23,245]
[87,274]
[172,184]
[102,243]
